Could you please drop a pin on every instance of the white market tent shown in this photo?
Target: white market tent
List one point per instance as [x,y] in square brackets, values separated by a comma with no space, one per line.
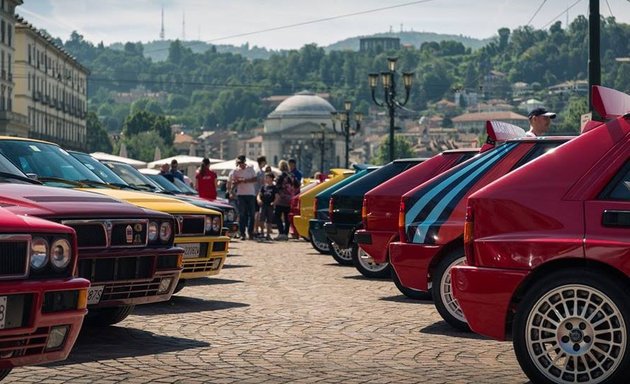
[224,168]
[182,161]
[106,156]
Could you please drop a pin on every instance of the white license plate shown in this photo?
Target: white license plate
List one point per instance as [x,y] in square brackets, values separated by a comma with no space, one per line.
[94,294]
[3,311]
[190,250]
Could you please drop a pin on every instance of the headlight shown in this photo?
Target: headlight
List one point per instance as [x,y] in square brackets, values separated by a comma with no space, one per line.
[208,226]
[216,224]
[39,253]
[230,215]
[166,230]
[153,231]
[60,253]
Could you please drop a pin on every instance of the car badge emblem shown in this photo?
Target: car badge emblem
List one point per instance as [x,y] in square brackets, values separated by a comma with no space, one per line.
[137,239]
[138,227]
[129,234]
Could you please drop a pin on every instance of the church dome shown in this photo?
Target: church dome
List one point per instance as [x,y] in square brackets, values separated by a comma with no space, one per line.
[303,104]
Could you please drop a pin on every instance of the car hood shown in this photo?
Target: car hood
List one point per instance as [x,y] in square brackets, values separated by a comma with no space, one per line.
[154,201]
[12,223]
[42,201]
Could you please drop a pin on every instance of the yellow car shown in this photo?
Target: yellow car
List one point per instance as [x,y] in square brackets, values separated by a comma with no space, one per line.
[307,200]
[199,229]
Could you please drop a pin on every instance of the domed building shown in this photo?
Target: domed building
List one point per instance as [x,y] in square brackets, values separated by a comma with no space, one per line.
[301,127]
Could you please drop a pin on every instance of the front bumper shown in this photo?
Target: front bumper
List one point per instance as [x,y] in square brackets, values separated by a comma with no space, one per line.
[375,243]
[484,295]
[301,224]
[316,229]
[27,342]
[130,276]
[204,256]
[411,263]
[341,234]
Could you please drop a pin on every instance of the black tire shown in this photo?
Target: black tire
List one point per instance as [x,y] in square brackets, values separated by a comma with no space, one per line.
[4,373]
[108,316]
[408,292]
[361,262]
[445,303]
[322,248]
[343,256]
[181,283]
[597,298]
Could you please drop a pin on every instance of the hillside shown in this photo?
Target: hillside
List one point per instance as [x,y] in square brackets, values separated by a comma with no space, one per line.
[411,38]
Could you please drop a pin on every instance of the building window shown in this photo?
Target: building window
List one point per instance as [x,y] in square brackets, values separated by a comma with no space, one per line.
[9,35]
[2,30]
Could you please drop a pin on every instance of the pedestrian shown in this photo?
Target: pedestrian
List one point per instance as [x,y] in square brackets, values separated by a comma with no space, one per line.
[244,178]
[259,228]
[177,174]
[266,198]
[165,171]
[206,181]
[297,174]
[286,189]
[539,121]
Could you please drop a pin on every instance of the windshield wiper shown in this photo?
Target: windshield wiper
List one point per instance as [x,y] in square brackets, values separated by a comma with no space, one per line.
[76,184]
[93,183]
[124,186]
[19,177]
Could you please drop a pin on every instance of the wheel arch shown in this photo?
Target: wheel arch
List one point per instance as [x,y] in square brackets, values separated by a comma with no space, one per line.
[457,243]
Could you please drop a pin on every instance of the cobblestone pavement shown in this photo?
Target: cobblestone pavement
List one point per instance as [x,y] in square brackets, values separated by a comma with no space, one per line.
[281,312]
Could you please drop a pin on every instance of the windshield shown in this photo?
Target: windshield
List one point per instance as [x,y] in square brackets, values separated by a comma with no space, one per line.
[164,183]
[187,189]
[132,176]
[45,160]
[106,174]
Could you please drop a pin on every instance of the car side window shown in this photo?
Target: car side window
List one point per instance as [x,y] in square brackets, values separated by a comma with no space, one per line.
[538,150]
[619,187]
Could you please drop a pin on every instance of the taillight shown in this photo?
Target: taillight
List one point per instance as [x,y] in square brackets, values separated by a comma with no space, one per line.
[364,212]
[401,221]
[469,225]
[315,208]
[331,208]
[299,205]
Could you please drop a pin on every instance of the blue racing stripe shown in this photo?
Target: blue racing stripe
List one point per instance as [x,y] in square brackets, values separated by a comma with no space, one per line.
[410,215]
[421,230]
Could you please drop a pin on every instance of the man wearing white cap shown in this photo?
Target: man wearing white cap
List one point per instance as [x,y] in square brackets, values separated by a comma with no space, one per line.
[539,121]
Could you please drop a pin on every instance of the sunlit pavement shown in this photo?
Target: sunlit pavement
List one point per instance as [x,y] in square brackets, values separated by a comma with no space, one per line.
[281,312]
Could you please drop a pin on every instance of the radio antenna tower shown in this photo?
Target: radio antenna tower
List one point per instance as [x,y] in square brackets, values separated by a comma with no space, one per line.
[162,28]
[183,26]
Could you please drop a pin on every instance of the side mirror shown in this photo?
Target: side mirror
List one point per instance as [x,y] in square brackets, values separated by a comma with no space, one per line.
[32,176]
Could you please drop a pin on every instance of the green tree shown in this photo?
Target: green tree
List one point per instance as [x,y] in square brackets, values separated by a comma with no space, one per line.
[142,146]
[570,117]
[140,121]
[402,149]
[97,138]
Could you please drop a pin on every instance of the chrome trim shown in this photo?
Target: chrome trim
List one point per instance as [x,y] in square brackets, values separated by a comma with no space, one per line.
[108,225]
[16,238]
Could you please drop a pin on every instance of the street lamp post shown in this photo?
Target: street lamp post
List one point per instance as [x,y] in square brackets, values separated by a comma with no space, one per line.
[388,80]
[344,118]
[319,139]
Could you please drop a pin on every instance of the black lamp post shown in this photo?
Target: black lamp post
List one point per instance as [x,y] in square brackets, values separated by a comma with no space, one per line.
[344,118]
[319,139]
[388,80]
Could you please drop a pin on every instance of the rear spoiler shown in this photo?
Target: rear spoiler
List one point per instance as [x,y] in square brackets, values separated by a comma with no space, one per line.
[609,104]
[499,131]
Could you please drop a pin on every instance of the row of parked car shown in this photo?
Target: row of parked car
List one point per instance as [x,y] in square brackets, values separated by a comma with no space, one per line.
[84,240]
[525,239]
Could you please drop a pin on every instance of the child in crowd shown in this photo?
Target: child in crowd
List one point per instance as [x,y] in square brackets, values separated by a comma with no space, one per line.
[266,197]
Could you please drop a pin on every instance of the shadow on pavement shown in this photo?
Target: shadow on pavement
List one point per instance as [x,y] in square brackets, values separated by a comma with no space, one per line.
[405,299]
[443,328]
[108,343]
[183,304]
[361,277]
[210,281]
[229,266]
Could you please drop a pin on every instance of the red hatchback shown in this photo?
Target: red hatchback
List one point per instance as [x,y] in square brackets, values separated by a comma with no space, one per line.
[548,256]
[433,214]
[42,302]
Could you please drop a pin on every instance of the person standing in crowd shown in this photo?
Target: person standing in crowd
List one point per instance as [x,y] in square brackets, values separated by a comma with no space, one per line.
[176,172]
[286,189]
[166,172]
[259,228]
[206,181]
[266,198]
[297,174]
[244,178]
[539,121]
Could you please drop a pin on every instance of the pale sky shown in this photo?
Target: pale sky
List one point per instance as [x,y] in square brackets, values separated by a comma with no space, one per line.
[324,21]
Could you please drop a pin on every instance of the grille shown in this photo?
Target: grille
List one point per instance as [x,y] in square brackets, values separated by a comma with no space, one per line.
[120,291]
[219,246]
[13,258]
[212,264]
[25,345]
[167,262]
[192,225]
[90,235]
[115,269]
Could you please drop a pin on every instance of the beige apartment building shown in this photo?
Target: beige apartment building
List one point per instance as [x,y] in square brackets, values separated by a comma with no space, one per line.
[51,88]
